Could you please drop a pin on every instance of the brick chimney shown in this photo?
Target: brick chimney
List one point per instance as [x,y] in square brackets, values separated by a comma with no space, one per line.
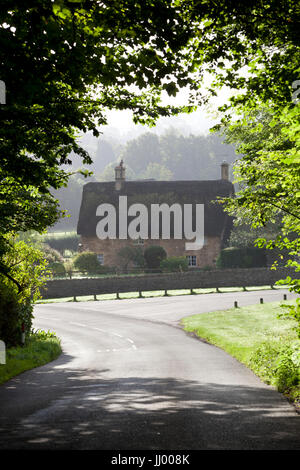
[119,176]
[224,170]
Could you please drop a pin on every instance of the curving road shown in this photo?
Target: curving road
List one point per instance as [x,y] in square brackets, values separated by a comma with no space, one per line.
[130,378]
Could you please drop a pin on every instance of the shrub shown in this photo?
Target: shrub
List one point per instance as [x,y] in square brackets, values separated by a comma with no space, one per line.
[9,314]
[68,254]
[175,263]
[154,255]
[131,254]
[19,287]
[279,364]
[234,257]
[88,262]
[51,255]
[68,265]
[57,268]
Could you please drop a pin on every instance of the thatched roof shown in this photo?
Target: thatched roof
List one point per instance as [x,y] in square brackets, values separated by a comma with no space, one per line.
[217,223]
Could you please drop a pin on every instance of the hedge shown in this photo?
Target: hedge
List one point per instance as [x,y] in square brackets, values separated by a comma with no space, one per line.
[234,257]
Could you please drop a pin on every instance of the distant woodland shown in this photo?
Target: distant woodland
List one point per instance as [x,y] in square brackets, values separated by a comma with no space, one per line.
[169,156]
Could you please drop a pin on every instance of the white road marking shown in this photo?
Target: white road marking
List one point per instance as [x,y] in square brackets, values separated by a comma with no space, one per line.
[77,324]
[82,325]
[115,334]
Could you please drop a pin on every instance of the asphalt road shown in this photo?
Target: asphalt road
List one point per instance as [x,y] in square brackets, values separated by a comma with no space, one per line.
[130,378]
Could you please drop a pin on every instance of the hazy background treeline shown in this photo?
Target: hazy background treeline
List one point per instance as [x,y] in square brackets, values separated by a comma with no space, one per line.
[164,157]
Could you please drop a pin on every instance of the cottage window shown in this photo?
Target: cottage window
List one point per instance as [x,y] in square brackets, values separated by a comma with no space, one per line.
[192,260]
[100,258]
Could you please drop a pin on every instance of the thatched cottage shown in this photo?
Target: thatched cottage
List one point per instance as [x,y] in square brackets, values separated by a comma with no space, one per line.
[106,206]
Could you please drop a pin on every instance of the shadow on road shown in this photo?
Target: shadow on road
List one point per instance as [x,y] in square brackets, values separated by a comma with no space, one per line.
[80,409]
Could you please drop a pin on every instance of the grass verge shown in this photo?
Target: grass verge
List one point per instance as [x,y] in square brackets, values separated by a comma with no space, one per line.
[40,347]
[259,338]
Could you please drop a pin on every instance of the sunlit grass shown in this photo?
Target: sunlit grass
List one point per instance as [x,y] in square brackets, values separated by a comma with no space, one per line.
[257,337]
[39,349]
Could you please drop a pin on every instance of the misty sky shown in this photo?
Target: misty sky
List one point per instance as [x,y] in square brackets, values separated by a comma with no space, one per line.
[199,122]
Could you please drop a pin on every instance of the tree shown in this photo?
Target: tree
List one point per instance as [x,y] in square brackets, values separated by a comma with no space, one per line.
[269,175]
[64,64]
[131,254]
[253,48]
[87,262]
[139,153]
[26,271]
[248,46]
[244,235]
[105,154]
[158,172]
[195,156]
[154,255]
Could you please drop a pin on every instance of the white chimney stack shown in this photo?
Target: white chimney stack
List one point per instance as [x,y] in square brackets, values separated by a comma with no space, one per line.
[225,171]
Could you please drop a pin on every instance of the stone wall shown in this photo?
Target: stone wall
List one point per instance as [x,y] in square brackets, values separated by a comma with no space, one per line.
[151,282]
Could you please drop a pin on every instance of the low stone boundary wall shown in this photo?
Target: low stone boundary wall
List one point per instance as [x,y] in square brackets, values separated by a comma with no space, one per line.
[171,281]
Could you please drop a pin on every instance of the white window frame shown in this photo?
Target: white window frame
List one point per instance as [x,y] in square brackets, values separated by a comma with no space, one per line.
[100,258]
[192,260]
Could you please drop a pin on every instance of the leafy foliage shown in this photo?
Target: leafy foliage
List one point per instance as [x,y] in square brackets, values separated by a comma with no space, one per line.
[40,347]
[66,62]
[244,235]
[234,257]
[248,46]
[269,178]
[87,262]
[60,243]
[278,363]
[50,254]
[25,272]
[10,331]
[64,65]
[177,157]
[57,268]
[131,254]
[26,267]
[154,255]
[174,264]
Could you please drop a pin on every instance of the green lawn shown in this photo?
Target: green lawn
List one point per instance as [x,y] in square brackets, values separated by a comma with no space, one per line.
[41,347]
[257,337]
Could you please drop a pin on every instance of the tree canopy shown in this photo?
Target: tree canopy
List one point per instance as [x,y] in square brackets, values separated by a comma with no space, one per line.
[65,62]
